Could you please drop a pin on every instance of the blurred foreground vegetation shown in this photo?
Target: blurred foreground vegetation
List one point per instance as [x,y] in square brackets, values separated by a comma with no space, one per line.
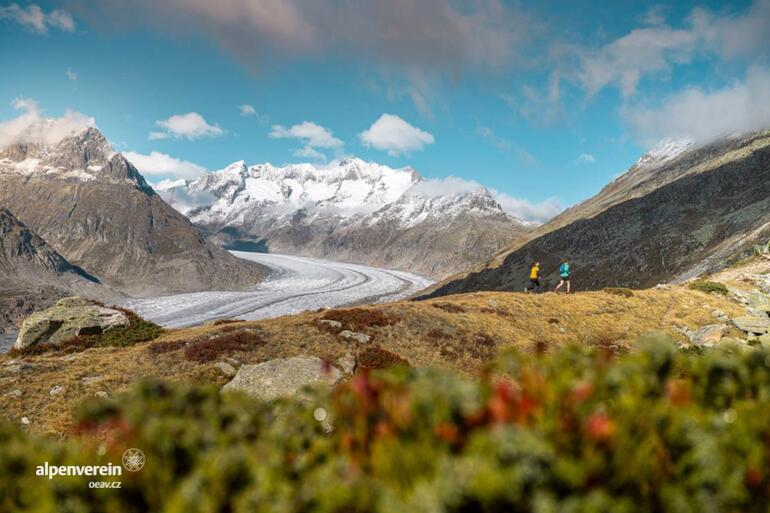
[575,430]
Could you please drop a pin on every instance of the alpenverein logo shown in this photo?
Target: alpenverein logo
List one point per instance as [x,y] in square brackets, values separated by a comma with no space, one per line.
[133,460]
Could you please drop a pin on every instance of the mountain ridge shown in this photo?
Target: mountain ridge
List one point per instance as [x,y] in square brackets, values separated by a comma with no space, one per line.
[667,195]
[351,210]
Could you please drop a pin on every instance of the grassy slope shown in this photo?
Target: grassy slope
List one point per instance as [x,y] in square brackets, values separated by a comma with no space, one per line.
[458,332]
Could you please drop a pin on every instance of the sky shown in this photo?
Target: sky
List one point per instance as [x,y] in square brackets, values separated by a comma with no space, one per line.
[544,104]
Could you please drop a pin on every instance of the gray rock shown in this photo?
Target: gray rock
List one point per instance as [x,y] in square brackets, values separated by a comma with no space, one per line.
[757,301]
[90,380]
[14,394]
[282,377]
[719,315]
[68,318]
[25,421]
[708,336]
[363,338]
[232,361]
[56,390]
[337,325]
[101,394]
[347,363]
[750,324]
[226,369]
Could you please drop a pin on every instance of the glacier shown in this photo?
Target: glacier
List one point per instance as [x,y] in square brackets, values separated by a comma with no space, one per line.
[296,284]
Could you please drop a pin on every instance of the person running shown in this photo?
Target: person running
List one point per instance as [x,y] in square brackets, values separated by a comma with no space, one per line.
[565,277]
[534,278]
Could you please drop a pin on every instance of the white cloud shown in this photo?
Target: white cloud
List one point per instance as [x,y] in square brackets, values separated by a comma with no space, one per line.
[585,158]
[33,18]
[735,36]
[31,127]
[625,60]
[705,115]
[425,35]
[394,135]
[657,47]
[517,207]
[71,75]
[541,106]
[181,198]
[312,134]
[190,126]
[489,134]
[528,211]
[247,110]
[161,164]
[154,136]
[309,152]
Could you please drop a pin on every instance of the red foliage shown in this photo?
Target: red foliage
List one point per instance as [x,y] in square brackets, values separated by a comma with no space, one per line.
[600,428]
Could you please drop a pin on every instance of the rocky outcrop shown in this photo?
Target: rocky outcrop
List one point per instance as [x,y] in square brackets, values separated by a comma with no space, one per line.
[69,317]
[708,336]
[752,325]
[94,208]
[673,221]
[282,377]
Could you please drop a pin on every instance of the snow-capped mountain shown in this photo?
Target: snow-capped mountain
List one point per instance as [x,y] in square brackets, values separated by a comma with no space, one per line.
[93,207]
[350,210]
[666,150]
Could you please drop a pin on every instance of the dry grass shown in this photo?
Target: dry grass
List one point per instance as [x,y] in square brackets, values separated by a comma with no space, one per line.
[375,357]
[211,348]
[460,332]
[360,319]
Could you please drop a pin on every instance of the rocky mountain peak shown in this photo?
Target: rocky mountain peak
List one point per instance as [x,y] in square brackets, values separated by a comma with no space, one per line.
[88,148]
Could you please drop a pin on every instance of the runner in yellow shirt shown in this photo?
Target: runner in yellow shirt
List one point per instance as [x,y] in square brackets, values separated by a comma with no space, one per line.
[534,278]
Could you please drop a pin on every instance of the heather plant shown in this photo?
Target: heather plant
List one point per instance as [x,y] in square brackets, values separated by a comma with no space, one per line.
[574,429]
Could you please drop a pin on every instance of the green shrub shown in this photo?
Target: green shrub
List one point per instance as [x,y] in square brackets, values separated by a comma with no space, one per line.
[619,291]
[709,287]
[572,430]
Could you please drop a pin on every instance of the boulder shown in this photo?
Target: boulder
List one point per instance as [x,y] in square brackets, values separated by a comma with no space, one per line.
[750,324]
[719,315]
[225,369]
[708,336]
[282,377]
[758,302]
[363,338]
[337,325]
[68,318]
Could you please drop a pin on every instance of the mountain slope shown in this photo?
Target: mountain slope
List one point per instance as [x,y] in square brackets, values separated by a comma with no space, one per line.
[34,275]
[353,211]
[665,219]
[93,207]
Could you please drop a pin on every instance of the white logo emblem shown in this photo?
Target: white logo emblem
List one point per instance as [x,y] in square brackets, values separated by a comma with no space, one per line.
[133,460]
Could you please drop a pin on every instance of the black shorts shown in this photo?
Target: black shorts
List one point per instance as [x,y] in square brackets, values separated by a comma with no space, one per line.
[564,278]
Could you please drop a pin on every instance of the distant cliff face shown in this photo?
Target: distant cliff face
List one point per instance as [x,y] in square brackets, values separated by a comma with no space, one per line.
[674,220]
[354,211]
[32,274]
[94,208]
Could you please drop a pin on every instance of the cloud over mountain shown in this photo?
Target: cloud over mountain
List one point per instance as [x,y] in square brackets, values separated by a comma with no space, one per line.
[31,127]
[392,134]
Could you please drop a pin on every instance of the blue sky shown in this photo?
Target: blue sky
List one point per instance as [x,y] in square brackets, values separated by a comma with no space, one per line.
[544,104]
